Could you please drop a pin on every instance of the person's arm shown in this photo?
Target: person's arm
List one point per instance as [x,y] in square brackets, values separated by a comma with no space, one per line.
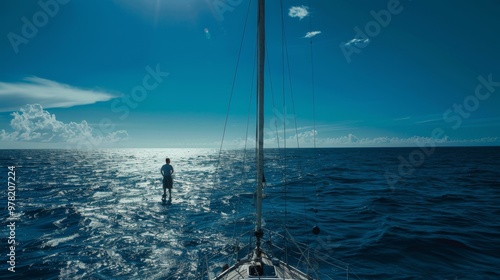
[162,171]
[172,171]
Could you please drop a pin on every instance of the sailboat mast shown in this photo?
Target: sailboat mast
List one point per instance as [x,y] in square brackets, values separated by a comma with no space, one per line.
[260,118]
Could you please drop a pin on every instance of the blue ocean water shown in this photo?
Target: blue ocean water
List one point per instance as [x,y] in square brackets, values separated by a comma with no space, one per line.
[391,213]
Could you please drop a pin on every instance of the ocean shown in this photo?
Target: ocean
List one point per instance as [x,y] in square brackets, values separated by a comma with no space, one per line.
[390,213]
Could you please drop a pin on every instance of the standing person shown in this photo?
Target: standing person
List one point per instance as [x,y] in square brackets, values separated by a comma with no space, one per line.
[167,170]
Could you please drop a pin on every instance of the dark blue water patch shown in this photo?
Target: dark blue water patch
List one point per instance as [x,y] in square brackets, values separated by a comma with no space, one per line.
[450,198]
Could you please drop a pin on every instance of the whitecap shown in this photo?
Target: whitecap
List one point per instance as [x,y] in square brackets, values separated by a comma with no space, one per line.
[56,241]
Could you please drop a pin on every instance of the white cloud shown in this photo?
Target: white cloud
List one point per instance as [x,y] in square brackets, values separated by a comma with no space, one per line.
[357,42]
[307,139]
[300,12]
[312,34]
[49,94]
[33,124]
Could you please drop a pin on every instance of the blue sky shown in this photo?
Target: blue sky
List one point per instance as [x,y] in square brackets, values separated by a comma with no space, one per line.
[159,73]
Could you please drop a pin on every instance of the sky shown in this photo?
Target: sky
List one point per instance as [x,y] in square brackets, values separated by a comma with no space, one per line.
[181,74]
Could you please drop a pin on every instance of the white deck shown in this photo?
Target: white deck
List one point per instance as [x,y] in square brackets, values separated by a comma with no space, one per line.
[265,269]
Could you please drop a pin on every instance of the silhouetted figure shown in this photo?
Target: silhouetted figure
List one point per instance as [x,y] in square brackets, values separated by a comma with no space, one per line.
[167,170]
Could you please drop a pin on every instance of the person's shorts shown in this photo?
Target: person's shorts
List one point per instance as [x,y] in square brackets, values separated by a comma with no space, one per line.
[167,182]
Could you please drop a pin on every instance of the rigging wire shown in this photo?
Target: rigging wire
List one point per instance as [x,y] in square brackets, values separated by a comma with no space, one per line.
[314,115]
[312,81]
[285,48]
[285,183]
[286,59]
[233,83]
[273,103]
[243,178]
[219,157]
[245,149]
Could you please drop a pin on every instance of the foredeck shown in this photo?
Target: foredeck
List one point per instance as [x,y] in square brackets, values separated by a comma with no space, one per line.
[266,269]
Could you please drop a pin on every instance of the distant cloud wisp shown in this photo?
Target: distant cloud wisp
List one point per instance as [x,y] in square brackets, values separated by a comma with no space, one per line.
[357,42]
[300,12]
[34,124]
[49,94]
[312,34]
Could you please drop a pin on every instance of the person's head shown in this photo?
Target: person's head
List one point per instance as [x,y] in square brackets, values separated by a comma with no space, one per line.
[167,160]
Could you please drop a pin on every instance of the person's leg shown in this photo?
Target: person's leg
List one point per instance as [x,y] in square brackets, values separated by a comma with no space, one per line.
[165,185]
[170,183]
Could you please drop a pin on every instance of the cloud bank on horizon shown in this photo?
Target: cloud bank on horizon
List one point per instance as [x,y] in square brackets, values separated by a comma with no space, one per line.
[34,124]
[47,93]
[351,140]
[313,138]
